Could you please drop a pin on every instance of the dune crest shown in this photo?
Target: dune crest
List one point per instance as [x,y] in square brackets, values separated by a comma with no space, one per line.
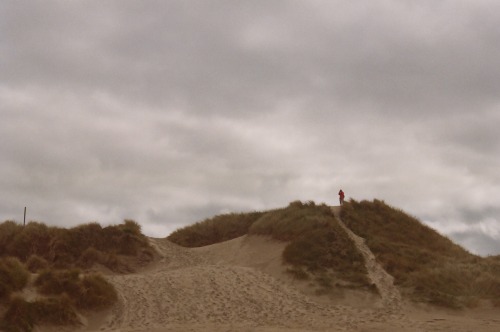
[240,285]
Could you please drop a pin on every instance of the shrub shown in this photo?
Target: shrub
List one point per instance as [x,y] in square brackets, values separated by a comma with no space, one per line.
[35,263]
[131,227]
[55,310]
[19,316]
[13,276]
[115,263]
[89,257]
[95,293]
[22,316]
[66,248]
[51,282]
[298,272]
[87,236]
[8,231]
[87,292]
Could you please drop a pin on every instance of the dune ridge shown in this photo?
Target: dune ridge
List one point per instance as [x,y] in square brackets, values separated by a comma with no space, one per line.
[242,285]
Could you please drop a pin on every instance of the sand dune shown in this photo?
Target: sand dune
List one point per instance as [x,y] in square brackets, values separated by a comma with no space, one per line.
[241,285]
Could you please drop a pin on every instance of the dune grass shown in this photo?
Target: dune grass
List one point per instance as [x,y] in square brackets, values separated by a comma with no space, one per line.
[316,245]
[428,266]
[316,240]
[61,294]
[214,230]
[57,255]
[41,246]
[13,277]
[85,291]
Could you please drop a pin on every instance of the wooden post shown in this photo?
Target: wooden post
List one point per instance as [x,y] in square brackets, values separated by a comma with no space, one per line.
[24,216]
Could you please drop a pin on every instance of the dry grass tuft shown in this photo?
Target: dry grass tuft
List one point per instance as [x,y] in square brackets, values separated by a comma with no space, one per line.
[85,292]
[41,246]
[36,263]
[13,276]
[64,292]
[22,315]
[55,253]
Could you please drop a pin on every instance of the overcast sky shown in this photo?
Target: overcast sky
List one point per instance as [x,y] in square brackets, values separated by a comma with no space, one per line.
[170,112]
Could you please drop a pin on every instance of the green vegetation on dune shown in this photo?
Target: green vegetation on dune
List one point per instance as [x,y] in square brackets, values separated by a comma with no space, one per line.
[316,240]
[428,266]
[42,246]
[89,291]
[13,277]
[292,222]
[57,255]
[61,294]
[317,244]
[214,230]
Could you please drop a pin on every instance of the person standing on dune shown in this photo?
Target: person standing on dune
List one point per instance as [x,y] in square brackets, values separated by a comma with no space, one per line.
[341,197]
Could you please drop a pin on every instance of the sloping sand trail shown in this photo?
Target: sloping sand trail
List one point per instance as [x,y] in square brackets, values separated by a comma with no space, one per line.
[412,317]
[391,299]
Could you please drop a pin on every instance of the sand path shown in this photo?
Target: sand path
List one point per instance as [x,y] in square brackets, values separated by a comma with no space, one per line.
[390,295]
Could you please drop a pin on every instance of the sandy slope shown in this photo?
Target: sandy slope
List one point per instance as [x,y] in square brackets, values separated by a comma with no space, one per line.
[240,285]
[390,296]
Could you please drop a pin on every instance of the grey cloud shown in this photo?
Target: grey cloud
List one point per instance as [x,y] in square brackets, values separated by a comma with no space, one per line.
[167,111]
[482,244]
[197,54]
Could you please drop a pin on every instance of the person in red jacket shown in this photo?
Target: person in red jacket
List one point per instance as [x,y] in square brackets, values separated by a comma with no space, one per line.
[341,197]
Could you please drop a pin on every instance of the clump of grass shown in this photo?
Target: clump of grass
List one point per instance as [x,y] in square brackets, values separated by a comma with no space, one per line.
[51,282]
[298,272]
[55,253]
[65,292]
[8,230]
[214,230]
[429,267]
[55,310]
[89,257]
[13,276]
[95,293]
[22,315]
[19,316]
[87,292]
[81,246]
[36,263]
